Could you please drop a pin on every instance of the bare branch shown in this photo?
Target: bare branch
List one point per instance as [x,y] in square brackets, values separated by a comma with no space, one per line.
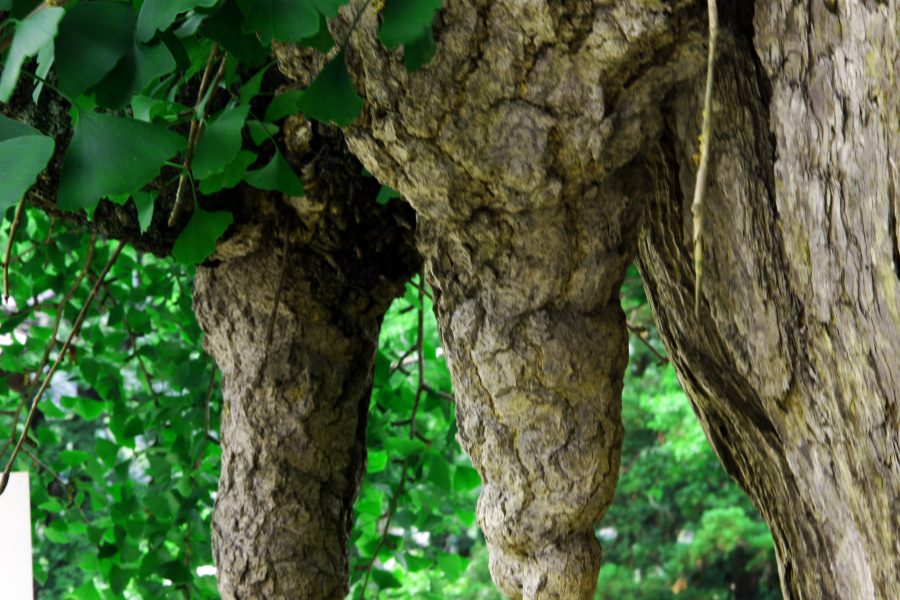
[59,358]
[9,244]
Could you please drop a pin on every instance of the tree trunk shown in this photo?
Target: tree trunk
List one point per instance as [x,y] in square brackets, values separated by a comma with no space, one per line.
[292,309]
[526,147]
[793,364]
[514,145]
[537,356]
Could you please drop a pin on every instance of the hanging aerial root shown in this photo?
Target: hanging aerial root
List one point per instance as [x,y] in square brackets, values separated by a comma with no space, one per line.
[703,169]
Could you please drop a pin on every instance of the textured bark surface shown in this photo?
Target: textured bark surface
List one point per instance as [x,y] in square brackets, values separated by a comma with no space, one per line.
[794,364]
[294,422]
[515,147]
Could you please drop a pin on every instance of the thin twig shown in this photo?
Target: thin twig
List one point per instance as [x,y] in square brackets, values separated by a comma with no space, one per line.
[440,394]
[270,331]
[197,126]
[353,25]
[421,289]
[413,434]
[279,287]
[140,361]
[702,171]
[401,362]
[9,244]
[65,485]
[420,343]
[30,308]
[51,344]
[388,517]
[209,392]
[59,358]
[639,332]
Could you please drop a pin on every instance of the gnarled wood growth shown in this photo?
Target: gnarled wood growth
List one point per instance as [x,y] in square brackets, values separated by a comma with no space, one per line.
[515,147]
[292,304]
[794,365]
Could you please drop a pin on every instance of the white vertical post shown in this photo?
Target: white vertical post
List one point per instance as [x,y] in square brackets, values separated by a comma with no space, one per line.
[15,540]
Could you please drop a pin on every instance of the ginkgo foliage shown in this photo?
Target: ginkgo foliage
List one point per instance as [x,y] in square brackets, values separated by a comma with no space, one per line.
[126,69]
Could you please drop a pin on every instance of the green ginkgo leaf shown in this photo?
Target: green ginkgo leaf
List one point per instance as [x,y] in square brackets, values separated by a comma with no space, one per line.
[93,37]
[328,8]
[24,153]
[198,240]
[220,143]
[111,155]
[385,195]
[158,15]
[418,53]
[284,104]
[321,41]
[465,479]
[230,176]
[224,27]
[144,202]
[276,176]
[331,98]
[30,36]
[282,20]
[406,21]
[141,65]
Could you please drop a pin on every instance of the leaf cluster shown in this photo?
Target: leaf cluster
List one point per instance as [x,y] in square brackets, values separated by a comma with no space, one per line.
[129,72]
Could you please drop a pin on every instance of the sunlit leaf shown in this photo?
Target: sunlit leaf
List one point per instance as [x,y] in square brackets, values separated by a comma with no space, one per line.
[377,461]
[32,34]
[24,153]
[465,479]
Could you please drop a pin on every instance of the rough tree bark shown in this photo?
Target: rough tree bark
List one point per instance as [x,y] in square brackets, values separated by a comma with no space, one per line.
[292,303]
[515,146]
[794,365]
[527,146]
